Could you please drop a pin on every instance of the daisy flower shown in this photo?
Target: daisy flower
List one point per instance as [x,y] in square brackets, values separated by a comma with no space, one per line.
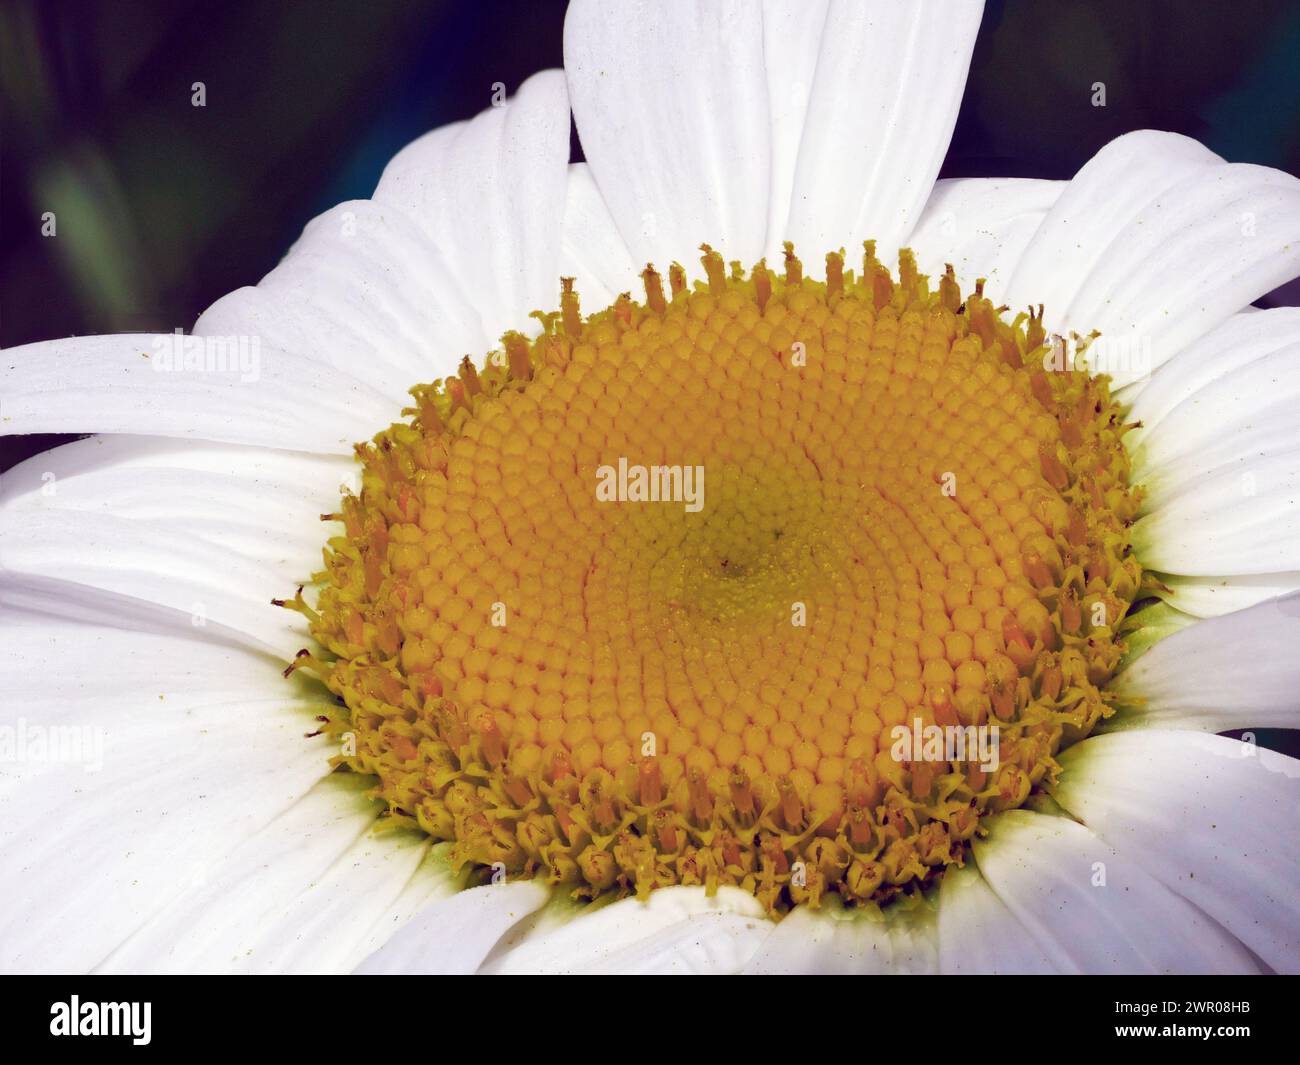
[758,555]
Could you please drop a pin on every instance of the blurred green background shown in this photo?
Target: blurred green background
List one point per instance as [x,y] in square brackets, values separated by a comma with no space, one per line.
[163,206]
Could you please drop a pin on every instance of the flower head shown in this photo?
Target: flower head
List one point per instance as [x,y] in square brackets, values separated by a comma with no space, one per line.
[869,613]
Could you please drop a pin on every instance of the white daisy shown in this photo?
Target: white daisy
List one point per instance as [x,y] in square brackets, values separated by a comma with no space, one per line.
[196,829]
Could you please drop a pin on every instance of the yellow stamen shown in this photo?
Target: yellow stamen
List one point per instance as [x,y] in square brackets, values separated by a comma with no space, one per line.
[907,525]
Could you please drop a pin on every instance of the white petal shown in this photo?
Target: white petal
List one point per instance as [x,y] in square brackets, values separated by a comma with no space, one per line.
[836,940]
[1240,670]
[559,909]
[1212,818]
[1241,518]
[171,750]
[1221,465]
[325,928]
[1226,425]
[489,193]
[672,109]
[1106,196]
[294,896]
[1242,339]
[592,252]
[678,929]
[884,101]
[1207,597]
[134,383]
[706,944]
[432,881]
[981,226]
[978,934]
[1155,242]
[792,41]
[1093,910]
[455,934]
[209,532]
[364,290]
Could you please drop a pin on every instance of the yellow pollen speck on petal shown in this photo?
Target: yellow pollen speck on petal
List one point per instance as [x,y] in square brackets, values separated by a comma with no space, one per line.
[763,581]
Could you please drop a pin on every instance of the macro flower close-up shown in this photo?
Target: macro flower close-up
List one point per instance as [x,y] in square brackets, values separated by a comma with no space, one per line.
[666,527]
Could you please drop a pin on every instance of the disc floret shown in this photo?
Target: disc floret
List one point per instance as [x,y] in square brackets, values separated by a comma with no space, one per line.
[911,524]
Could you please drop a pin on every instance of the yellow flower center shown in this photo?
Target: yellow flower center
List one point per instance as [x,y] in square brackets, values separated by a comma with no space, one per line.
[763,581]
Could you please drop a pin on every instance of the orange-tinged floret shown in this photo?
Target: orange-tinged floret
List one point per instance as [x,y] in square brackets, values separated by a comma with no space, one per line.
[866,507]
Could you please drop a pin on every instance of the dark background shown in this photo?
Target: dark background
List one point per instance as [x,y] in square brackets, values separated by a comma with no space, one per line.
[163,207]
